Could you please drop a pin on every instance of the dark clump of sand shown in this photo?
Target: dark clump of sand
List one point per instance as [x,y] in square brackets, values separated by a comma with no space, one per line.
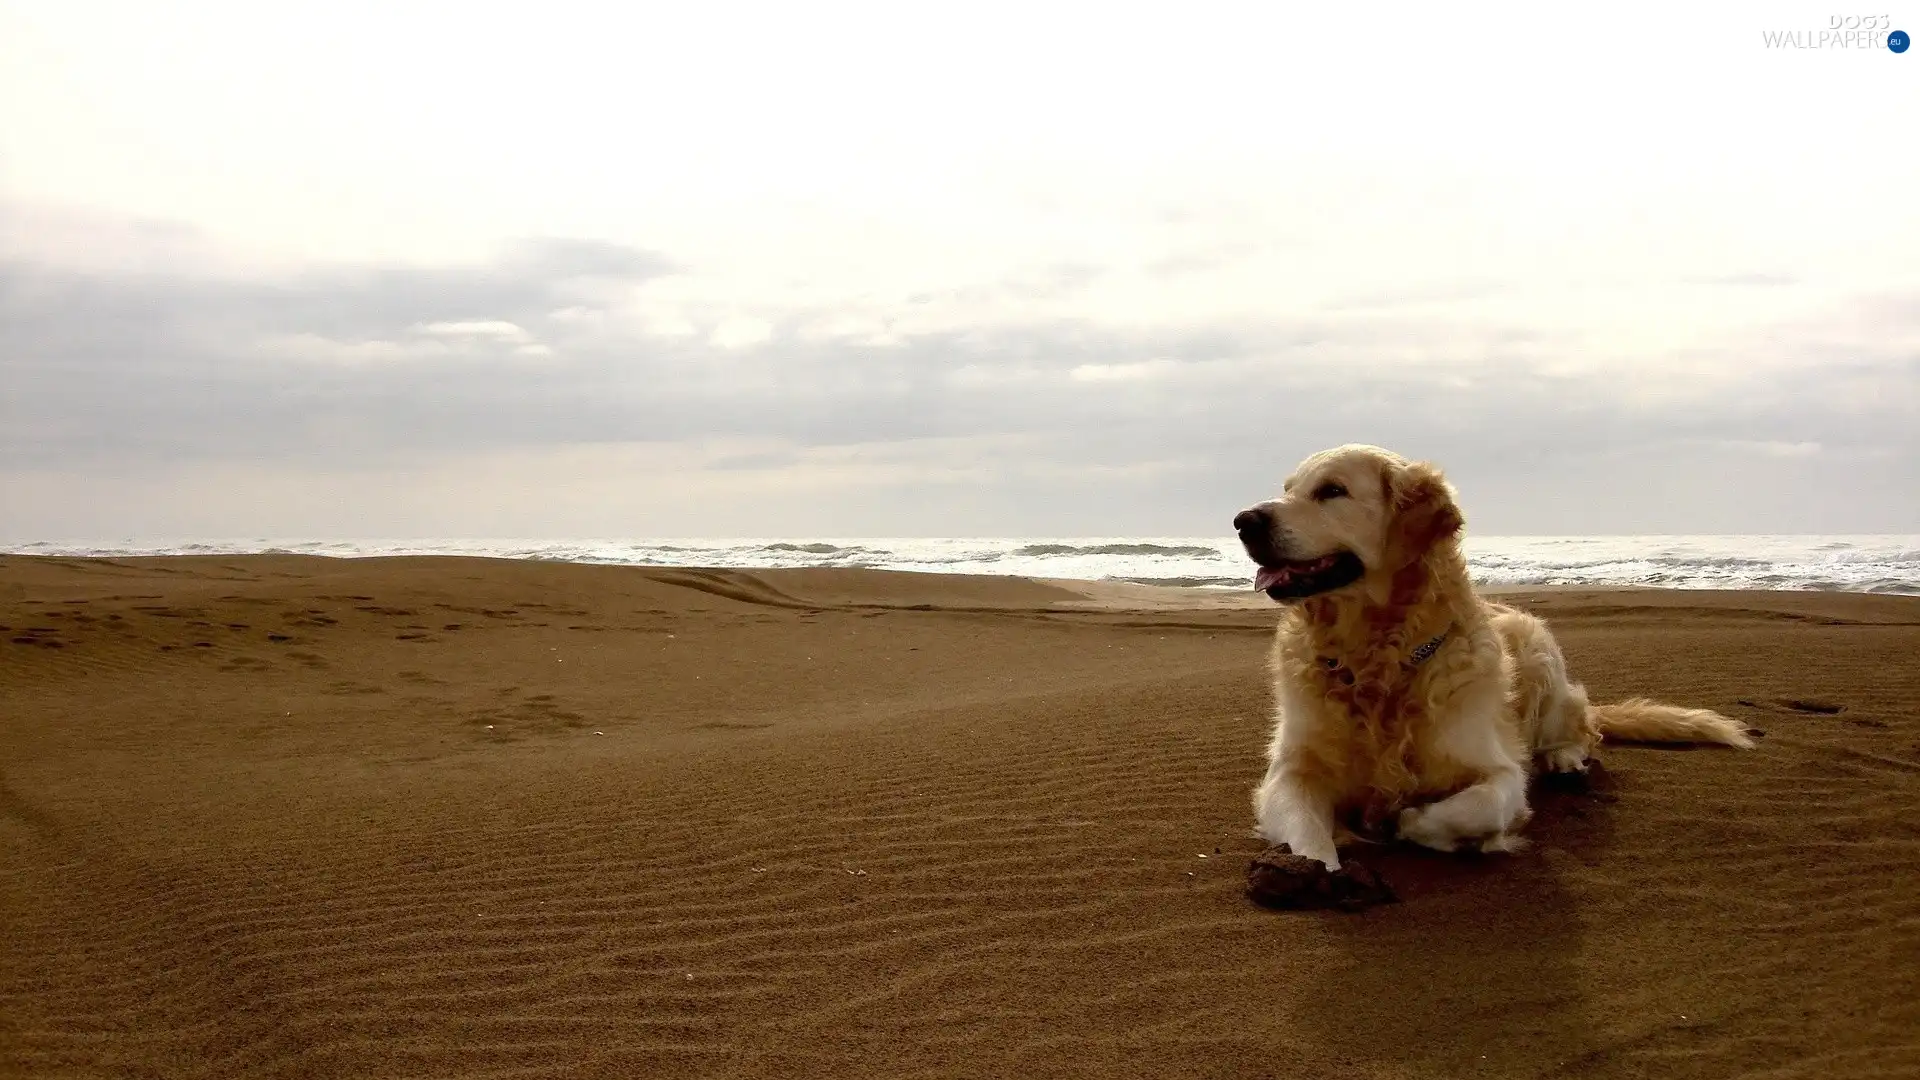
[276,817]
[1277,878]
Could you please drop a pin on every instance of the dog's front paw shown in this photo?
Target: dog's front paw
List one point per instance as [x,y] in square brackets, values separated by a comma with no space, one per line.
[1428,827]
[1567,759]
[1420,825]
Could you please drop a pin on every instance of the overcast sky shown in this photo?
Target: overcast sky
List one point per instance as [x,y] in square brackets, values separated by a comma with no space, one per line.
[556,270]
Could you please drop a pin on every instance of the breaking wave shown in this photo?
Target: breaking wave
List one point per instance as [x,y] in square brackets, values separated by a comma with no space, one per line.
[1875,564]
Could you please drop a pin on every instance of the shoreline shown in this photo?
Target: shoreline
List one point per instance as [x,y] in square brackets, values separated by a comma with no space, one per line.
[1873,565]
[1097,591]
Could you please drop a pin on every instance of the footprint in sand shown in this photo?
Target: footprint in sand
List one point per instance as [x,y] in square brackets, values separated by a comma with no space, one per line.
[537,714]
[1811,706]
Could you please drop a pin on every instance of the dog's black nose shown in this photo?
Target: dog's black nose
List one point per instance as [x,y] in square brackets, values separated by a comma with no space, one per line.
[1250,521]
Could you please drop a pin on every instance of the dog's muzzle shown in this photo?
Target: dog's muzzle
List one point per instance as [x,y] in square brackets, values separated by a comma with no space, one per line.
[1286,579]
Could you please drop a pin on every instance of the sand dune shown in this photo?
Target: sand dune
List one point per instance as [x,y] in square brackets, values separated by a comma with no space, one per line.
[280,816]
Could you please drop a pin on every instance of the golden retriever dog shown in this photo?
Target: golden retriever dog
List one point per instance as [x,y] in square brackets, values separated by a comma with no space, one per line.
[1405,704]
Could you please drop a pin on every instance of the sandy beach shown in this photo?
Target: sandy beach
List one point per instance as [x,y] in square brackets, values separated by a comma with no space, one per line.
[270,816]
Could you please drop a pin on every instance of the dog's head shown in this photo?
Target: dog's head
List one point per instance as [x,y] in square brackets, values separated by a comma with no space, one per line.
[1347,515]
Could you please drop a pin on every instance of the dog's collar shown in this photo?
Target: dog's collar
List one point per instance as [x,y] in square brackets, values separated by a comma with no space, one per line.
[1414,659]
[1425,652]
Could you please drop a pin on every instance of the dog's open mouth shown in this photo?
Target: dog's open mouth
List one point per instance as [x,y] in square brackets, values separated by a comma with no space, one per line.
[1306,577]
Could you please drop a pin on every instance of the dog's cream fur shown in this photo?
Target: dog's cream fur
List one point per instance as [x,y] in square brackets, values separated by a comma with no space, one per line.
[1439,751]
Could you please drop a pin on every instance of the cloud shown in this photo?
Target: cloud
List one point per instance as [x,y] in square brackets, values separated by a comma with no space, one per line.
[1750,280]
[1772,447]
[1138,371]
[739,333]
[565,352]
[498,328]
[1439,293]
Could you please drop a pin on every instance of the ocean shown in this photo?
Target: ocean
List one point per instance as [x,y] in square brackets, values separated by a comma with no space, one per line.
[1874,564]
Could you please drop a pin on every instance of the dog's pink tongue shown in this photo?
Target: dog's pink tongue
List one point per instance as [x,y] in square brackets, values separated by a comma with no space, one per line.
[1267,577]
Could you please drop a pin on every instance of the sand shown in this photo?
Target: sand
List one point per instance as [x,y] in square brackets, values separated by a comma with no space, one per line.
[278,816]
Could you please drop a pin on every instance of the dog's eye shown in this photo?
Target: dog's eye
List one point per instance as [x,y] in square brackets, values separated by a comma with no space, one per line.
[1330,490]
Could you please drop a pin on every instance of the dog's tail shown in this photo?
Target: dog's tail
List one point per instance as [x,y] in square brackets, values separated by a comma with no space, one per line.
[1641,720]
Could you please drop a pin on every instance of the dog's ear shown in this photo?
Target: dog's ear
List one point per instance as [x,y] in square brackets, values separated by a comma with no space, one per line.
[1421,513]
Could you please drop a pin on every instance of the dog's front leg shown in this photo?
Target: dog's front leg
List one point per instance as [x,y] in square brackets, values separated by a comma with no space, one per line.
[1293,807]
[1485,814]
